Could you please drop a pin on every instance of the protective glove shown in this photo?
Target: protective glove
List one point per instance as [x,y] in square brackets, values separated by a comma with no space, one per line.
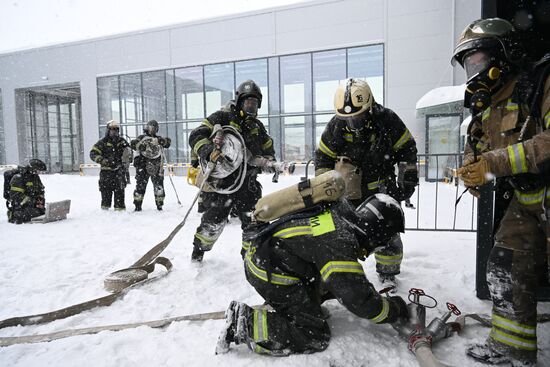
[141,147]
[398,312]
[218,140]
[476,173]
[40,203]
[165,142]
[107,162]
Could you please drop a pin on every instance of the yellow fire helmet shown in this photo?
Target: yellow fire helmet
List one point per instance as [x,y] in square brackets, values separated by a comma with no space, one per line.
[353,98]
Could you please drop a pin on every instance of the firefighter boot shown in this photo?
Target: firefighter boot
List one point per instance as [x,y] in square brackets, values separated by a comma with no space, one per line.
[236,326]
[485,354]
[197,253]
[388,280]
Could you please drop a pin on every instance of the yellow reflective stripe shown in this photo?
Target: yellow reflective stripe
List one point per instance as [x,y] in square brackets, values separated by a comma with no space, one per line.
[402,140]
[95,148]
[511,106]
[109,144]
[383,313]
[278,279]
[17,189]
[512,340]
[486,113]
[326,150]
[532,198]
[254,131]
[375,184]
[348,137]
[340,267]
[246,245]
[547,120]
[200,143]
[25,200]
[514,326]
[322,224]
[267,144]
[29,184]
[235,125]
[293,231]
[207,241]
[207,123]
[260,325]
[518,162]
[388,259]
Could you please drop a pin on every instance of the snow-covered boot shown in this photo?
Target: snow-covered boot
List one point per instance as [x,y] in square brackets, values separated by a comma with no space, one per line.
[138,207]
[486,354]
[388,280]
[235,329]
[197,254]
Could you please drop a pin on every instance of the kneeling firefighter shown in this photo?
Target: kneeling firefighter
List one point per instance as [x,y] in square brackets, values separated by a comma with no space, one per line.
[366,142]
[238,145]
[149,163]
[24,192]
[302,259]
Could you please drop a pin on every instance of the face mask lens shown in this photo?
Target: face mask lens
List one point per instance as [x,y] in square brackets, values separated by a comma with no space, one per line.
[475,62]
[358,122]
[113,132]
[250,106]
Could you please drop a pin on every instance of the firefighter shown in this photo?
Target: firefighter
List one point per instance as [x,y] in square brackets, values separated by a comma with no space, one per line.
[241,114]
[26,192]
[303,260]
[509,139]
[365,142]
[149,163]
[109,153]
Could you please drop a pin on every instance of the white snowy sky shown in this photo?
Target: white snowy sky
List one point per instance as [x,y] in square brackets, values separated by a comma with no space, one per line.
[34,23]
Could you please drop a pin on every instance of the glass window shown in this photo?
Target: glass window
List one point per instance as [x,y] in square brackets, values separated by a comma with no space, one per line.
[367,63]
[108,99]
[257,71]
[154,96]
[297,138]
[189,93]
[296,83]
[131,96]
[219,85]
[2,141]
[329,68]
[321,122]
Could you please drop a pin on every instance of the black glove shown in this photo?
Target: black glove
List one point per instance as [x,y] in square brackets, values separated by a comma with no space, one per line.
[205,151]
[398,309]
[166,142]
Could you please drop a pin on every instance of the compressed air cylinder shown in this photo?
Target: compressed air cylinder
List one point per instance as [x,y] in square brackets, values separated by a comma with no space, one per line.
[328,187]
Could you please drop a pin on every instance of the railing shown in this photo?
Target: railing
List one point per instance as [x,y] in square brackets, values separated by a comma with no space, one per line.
[434,201]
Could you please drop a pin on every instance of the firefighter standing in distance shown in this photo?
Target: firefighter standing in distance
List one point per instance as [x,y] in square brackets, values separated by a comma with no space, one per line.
[109,152]
[149,163]
[25,199]
[241,114]
[298,264]
[509,138]
[365,141]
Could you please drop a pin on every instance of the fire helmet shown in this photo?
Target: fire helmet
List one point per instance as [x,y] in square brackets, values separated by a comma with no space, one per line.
[380,218]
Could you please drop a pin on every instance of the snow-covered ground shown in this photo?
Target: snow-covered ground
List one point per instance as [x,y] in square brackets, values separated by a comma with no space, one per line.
[47,267]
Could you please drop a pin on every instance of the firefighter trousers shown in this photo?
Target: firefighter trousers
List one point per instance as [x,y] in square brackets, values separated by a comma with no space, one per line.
[110,184]
[142,178]
[516,266]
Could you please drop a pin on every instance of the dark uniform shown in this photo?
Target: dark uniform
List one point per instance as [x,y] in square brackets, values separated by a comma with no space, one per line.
[147,167]
[26,197]
[376,149]
[218,206]
[297,265]
[509,138]
[108,153]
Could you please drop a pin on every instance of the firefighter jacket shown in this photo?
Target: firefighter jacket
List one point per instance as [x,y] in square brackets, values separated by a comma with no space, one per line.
[140,160]
[321,249]
[26,189]
[108,153]
[257,140]
[375,150]
[513,147]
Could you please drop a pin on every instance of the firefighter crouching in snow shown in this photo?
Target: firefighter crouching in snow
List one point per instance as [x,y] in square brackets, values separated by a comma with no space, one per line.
[25,199]
[149,163]
[509,138]
[109,152]
[365,141]
[298,264]
[241,115]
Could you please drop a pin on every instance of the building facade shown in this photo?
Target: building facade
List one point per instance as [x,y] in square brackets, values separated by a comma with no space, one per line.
[55,101]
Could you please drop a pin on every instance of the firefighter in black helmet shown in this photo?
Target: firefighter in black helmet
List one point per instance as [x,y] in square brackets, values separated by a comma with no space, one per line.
[365,142]
[509,139]
[240,113]
[26,193]
[304,260]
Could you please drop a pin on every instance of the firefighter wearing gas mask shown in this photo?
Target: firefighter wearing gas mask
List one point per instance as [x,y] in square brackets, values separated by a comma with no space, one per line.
[509,140]
[241,114]
[25,192]
[365,142]
[109,152]
[149,164]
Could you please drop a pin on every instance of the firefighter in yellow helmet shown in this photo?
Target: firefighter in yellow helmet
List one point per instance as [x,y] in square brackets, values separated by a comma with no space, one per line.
[365,142]
[509,139]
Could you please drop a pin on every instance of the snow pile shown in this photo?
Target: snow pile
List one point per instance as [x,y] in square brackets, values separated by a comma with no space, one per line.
[45,267]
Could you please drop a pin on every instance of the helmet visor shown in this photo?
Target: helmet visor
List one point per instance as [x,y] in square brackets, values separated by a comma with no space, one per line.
[357,122]
[475,62]
[250,106]
[113,131]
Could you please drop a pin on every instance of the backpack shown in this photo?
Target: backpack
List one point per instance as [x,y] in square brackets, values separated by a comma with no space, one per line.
[8,175]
